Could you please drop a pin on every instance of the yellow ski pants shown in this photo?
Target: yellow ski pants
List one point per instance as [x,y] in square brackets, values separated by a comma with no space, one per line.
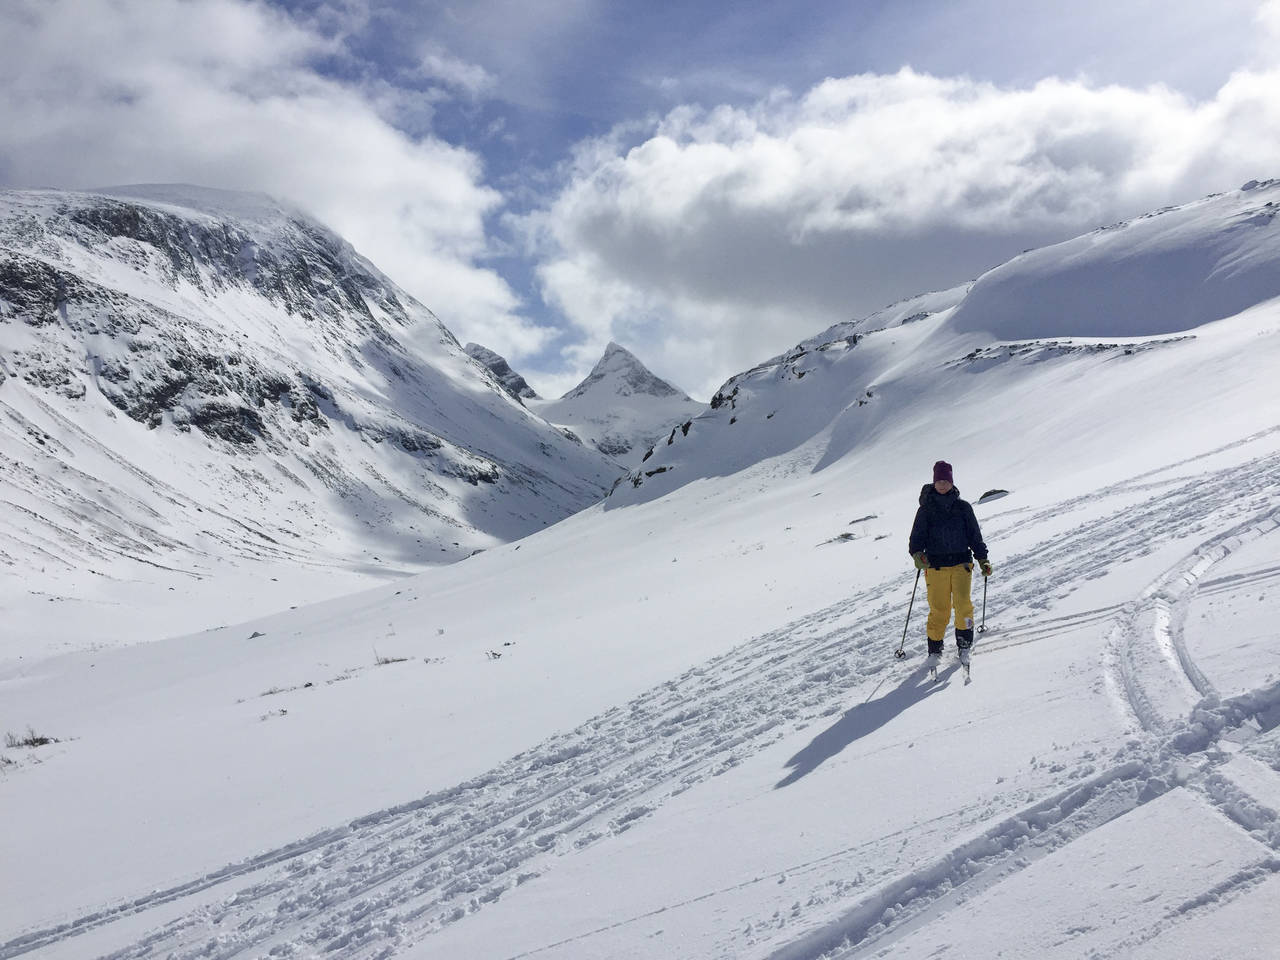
[948,589]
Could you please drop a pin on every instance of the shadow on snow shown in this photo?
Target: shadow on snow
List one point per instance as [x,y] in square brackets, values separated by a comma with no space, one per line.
[863,719]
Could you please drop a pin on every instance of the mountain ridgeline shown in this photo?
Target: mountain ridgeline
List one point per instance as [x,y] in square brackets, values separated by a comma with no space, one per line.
[511,381]
[189,372]
[194,382]
[621,408]
[1099,300]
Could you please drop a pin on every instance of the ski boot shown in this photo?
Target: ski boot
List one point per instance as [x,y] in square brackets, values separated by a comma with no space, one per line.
[934,658]
[964,643]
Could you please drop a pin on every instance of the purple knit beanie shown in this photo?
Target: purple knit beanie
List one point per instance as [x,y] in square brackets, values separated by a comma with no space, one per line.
[942,471]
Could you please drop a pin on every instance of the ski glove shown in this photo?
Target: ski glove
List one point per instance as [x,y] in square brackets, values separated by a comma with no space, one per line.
[919,559]
[986,567]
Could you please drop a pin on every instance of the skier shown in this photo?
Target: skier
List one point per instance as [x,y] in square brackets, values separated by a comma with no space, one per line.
[945,540]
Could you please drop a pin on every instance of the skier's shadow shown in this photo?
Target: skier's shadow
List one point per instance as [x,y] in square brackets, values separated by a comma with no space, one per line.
[861,720]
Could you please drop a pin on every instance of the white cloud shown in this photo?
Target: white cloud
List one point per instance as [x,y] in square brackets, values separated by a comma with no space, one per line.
[752,228]
[704,239]
[469,77]
[1268,17]
[224,93]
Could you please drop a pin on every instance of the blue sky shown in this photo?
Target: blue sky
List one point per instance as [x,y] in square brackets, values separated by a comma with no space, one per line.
[707,183]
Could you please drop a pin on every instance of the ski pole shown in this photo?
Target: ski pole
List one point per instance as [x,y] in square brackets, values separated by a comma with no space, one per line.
[982,627]
[899,653]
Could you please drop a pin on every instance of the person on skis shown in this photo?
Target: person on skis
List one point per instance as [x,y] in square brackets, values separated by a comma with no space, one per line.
[945,541]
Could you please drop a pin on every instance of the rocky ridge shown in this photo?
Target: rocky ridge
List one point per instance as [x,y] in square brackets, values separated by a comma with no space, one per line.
[496,364]
[225,355]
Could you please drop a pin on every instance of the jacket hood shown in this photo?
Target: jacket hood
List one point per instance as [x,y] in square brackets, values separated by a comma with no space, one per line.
[948,498]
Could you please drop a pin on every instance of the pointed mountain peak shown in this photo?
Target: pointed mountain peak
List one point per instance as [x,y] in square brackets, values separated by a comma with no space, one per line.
[511,381]
[616,348]
[619,372]
[617,358]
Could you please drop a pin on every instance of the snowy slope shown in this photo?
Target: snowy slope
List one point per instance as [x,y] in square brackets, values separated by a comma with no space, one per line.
[1104,298]
[911,310]
[206,394]
[673,726]
[1172,270]
[621,408]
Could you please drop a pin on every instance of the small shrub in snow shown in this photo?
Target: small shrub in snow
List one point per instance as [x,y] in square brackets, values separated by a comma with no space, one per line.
[30,739]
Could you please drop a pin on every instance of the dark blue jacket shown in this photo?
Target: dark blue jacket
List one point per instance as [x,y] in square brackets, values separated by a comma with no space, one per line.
[946,529]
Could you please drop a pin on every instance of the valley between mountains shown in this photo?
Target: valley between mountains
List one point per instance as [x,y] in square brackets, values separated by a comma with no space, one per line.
[646,705]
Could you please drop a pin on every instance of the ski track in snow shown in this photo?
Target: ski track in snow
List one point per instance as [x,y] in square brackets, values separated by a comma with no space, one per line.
[389,880]
[1183,721]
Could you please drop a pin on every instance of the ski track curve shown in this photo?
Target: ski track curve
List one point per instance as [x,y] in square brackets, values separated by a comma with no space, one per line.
[1181,748]
[389,880]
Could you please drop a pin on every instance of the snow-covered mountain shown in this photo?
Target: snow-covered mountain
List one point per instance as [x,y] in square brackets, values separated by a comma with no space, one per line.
[1092,306]
[673,724]
[197,386]
[621,408]
[496,364]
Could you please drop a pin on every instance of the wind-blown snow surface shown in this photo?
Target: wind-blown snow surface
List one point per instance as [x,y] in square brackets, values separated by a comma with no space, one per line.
[674,727]
[209,400]
[1171,270]
[621,408]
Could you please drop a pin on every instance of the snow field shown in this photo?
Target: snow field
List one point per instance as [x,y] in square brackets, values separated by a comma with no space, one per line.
[672,725]
[664,789]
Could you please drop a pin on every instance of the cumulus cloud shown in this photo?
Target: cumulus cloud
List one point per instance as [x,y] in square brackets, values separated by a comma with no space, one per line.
[706,238]
[228,93]
[755,227]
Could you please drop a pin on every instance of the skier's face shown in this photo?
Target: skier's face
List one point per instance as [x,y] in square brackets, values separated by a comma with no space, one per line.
[942,486]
